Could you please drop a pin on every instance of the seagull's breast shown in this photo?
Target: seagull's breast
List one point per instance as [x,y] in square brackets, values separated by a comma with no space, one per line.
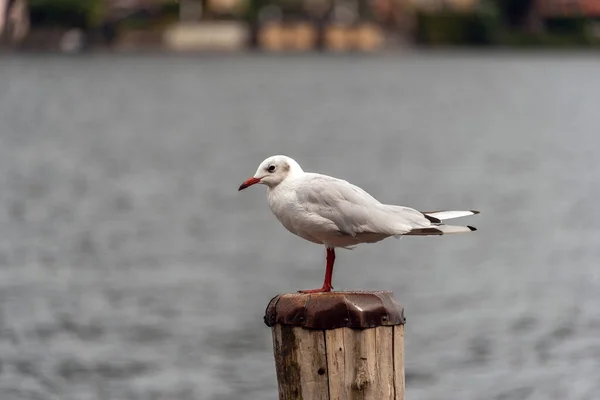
[294,217]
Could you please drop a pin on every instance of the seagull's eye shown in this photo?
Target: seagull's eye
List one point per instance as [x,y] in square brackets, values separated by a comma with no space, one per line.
[271,168]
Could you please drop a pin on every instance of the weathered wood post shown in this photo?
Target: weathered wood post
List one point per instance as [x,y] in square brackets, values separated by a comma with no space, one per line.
[338,345]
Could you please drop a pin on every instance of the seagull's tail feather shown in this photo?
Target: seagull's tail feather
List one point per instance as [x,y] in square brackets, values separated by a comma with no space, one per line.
[444,215]
[440,230]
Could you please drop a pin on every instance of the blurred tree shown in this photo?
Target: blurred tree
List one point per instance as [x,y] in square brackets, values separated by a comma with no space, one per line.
[67,13]
[516,13]
[191,10]
[14,20]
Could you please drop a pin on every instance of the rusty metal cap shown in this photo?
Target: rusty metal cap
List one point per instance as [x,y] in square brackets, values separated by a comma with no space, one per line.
[358,310]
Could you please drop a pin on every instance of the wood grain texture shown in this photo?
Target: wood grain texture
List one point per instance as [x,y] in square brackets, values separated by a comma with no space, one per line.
[360,363]
[384,362]
[300,361]
[399,361]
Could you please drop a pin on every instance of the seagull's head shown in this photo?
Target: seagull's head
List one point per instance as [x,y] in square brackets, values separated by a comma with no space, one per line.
[273,171]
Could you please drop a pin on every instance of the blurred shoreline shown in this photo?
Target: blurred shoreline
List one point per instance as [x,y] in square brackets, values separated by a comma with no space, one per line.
[302,26]
[407,51]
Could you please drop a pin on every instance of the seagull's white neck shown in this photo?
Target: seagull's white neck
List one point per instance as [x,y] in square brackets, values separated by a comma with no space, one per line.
[288,181]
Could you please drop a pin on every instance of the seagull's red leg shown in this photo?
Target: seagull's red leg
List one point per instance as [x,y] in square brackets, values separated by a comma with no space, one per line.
[329,270]
[328,274]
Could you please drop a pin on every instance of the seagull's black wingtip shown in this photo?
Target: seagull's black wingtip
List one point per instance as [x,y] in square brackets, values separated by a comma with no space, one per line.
[472,228]
[475,212]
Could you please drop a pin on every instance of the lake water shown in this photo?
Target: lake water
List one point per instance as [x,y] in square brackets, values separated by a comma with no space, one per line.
[131,268]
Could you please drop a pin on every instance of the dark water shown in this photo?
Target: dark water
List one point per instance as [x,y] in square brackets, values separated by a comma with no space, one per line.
[131,268]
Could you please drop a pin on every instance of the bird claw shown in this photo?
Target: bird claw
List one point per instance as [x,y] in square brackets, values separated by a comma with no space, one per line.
[324,289]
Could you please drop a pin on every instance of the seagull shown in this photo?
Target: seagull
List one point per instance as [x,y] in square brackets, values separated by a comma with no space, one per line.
[337,214]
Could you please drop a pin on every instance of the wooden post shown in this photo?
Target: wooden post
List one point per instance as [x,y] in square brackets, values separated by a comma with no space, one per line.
[338,345]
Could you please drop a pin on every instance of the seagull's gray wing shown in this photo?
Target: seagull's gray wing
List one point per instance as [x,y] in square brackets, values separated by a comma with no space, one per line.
[353,210]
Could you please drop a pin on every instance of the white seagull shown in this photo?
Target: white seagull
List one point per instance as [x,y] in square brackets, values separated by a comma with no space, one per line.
[336,213]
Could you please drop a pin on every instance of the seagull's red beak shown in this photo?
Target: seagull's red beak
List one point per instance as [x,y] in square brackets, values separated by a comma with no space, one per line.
[249,182]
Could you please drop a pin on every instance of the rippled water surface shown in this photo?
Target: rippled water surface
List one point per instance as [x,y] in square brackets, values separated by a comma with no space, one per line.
[131,268]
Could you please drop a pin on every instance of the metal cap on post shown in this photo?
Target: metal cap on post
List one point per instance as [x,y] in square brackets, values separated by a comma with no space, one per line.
[338,345]
[357,310]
